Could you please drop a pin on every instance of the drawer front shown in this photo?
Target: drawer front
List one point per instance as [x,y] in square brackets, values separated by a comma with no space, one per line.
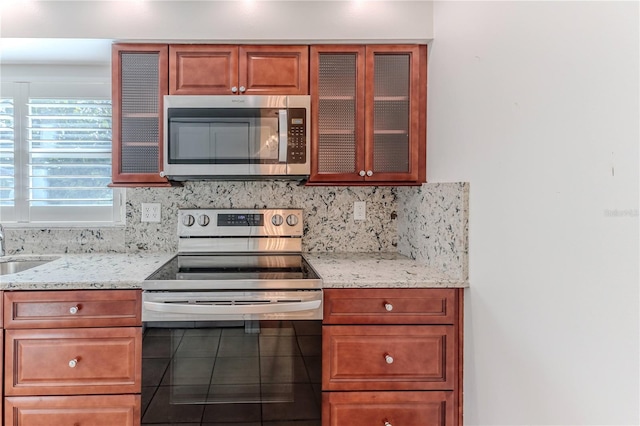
[393,408]
[74,308]
[388,358]
[104,410]
[390,306]
[73,361]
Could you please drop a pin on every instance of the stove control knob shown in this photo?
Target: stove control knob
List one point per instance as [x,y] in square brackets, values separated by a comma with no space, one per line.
[292,220]
[203,220]
[188,220]
[277,220]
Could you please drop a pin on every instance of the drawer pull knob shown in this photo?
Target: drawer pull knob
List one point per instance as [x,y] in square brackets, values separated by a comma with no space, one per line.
[388,358]
[388,306]
[73,310]
[386,423]
[73,363]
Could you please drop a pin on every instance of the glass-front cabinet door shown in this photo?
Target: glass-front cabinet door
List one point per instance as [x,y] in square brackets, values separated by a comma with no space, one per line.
[392,113]
[337,105]
[139,82]
[369,105]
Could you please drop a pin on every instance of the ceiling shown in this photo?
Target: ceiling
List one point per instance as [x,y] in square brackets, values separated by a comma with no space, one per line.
[54,51]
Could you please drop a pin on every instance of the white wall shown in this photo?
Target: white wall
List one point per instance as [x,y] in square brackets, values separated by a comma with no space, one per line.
[233,21]
[536,105]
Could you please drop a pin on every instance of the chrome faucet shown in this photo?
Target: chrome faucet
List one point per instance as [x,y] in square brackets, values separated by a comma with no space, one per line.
[1,240]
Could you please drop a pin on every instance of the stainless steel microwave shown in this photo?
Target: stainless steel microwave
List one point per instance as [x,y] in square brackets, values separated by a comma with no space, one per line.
[235,137]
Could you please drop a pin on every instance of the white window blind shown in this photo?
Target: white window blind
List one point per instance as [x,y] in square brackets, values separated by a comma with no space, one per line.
[61,154]
[7,171]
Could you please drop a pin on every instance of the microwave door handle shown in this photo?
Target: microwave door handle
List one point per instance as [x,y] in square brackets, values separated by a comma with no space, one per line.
[283,127]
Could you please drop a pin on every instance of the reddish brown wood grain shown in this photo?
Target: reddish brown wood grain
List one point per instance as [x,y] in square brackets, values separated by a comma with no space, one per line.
[52,309]
[102,410]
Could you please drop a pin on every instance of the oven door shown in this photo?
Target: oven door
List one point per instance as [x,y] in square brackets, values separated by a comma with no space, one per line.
[214,358]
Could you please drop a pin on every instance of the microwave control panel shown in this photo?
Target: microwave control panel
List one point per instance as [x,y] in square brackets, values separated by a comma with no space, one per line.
[297,139]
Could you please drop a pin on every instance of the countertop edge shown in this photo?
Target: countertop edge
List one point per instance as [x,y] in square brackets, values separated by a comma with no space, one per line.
[129,271]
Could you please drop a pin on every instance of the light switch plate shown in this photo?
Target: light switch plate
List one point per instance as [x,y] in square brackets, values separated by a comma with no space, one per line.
[360,210]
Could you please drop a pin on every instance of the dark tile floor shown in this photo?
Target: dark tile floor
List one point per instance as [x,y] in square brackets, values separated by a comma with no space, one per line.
[225,375]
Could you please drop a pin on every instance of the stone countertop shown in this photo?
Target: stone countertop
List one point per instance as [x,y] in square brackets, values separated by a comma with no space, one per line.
[378,270]
[85,271]
[129,270]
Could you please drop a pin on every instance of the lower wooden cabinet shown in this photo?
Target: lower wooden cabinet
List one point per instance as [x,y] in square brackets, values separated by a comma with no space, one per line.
[387,408]
[392,357]
[72,358]
[99,410]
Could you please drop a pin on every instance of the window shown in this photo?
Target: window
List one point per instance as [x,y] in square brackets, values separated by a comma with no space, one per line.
[55,153]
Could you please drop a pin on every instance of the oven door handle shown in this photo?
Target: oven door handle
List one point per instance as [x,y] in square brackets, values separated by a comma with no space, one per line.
[271,308]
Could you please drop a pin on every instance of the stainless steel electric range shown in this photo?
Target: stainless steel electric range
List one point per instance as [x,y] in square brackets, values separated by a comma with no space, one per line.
[232,323]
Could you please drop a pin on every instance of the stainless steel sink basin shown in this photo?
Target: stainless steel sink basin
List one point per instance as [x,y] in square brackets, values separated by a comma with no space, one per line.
[19,265]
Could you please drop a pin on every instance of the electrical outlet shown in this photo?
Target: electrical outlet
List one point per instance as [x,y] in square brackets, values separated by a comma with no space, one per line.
[150,212]
[360,210]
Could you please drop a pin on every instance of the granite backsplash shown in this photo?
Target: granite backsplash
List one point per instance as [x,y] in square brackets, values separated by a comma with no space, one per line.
[428,223]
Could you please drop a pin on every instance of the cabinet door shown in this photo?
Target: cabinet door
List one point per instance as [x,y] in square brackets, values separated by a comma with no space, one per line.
[388,408]
[388,357]
[274,70]
[103,410]
[203,69]
[73,361]
[337,105]
[139,82]
[393,113]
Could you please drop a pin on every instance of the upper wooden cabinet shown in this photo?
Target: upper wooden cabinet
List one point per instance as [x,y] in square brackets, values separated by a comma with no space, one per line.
[369,114]
[202,69]
[139,82]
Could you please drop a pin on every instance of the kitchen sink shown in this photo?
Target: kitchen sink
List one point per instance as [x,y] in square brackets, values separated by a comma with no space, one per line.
[18,265]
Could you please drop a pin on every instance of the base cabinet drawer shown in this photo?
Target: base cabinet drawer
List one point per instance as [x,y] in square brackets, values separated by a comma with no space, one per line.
[389,306]
[99,410]
[73,361]
[72,308]
[387,408]
[388,358]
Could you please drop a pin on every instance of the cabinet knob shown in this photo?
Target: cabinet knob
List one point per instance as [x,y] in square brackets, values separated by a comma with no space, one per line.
[388,306]
[369,173]
[234,89]
[386,423]
[362,173]
[163,174]
[243,89]
[388,358]
[74,310]
[73,363]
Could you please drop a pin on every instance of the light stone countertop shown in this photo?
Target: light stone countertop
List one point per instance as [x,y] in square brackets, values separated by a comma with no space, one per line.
[85,271]
[378,270]
[129,270]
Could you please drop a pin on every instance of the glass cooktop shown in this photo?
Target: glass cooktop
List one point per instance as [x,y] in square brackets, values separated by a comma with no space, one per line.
[235,271]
